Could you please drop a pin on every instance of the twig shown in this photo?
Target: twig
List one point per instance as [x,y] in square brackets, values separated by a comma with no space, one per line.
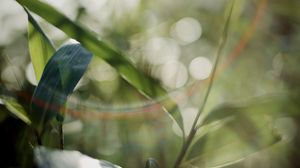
[194,126]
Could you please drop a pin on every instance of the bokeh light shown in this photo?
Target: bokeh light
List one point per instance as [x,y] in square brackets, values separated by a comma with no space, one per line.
[12,20]
[186,30]
[174,74]
[160,50]
[200,68]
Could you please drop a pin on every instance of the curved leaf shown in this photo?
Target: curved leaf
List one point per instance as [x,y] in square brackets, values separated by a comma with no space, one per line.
[60,76]
[142,82]
[40,47]
[16,109]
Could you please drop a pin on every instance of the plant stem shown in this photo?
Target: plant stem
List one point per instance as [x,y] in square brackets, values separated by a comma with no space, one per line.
[185,148]
[39,139]
[194,128]
[61,136]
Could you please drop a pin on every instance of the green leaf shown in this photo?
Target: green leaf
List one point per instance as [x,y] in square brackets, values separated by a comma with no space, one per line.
[16,109]
[60,76]
[271,105]
[40,47]
[142,82]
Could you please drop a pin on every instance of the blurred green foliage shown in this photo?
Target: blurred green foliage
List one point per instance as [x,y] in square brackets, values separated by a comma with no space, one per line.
[251,118]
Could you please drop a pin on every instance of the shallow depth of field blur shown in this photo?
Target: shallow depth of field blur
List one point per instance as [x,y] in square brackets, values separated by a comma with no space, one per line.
[175,42]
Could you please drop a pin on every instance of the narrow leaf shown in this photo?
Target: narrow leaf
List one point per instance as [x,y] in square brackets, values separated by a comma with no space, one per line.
[16,109]
[40,47]
[60,76]
[142,82]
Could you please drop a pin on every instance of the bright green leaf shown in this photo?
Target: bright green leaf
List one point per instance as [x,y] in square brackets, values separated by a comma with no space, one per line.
[17,110]
[40,47]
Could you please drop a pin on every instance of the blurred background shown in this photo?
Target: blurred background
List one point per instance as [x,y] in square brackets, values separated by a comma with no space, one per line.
[175,42]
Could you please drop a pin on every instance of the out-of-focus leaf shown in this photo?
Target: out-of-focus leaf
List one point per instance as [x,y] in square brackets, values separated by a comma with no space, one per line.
[46,158]
[142,82]
[60,76]
[151,163]
[230,146]
[40,47]
[17,110]
[272,105]
[248,128]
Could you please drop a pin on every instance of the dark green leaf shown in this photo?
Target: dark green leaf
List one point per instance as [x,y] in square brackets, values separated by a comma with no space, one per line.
[60,76]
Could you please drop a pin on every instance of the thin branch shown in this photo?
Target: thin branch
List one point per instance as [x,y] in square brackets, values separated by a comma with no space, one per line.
[194,129]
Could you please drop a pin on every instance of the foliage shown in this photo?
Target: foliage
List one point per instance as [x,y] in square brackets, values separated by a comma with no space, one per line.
[102,95]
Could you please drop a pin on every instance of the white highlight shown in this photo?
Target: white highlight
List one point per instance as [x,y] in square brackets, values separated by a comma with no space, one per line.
[160,50]
[30,74]
[200,68]
[187,30]
[174,74]
[103,72]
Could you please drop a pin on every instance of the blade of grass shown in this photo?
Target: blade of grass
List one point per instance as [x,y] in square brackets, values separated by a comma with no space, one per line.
[194,129]
[17,110]
[142,82]
[40,47]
